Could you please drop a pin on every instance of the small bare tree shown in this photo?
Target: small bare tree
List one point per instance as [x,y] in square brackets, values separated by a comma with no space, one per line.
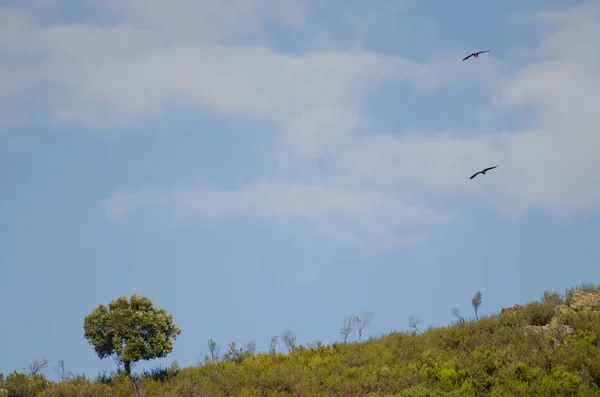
[251,347]
[456,314]
[413,322]
[62,371]
[273,345]
[37,366]
[289,339]
[363,321]
[476,302]
[348,327]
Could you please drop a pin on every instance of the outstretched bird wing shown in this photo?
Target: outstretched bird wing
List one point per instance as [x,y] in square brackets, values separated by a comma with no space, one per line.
[476,53]
[482,171]
[475,174]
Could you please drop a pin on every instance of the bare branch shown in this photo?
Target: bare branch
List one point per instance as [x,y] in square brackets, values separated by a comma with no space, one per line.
[289,339]
[273,345]
[413,322]
[348,327]
[62,372]
[456,314]
[363,321]
[251,347]
[37,366]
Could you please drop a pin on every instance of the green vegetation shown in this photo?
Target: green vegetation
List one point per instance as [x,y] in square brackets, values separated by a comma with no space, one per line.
[476,302]
[130,330]
[545,348]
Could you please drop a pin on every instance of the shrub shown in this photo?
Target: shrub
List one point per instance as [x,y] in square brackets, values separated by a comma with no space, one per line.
[538,313]
[552,298]
[21,385]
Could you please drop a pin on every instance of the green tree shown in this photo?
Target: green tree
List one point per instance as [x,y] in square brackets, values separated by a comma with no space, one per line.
[214,350]
[476,302]
[130,330]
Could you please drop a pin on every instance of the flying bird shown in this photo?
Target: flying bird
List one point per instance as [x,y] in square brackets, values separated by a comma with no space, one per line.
[482,172]
[476,54]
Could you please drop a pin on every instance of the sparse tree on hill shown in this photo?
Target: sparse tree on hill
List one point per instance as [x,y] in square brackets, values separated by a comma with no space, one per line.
[37,366]
[251,347]
[289,339]
[476,302]
[214,349]
[273,345]
[62,371]
[130,330]
[348,327]
[413,322]
[363,321]
[234,354]
[456,314]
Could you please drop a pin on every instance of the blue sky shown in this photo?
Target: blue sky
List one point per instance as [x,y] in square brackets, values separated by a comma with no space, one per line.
[256,165]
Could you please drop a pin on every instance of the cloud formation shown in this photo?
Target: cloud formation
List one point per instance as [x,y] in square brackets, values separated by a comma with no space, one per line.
[150,57]
[549,163]
[374,214]
[153,56]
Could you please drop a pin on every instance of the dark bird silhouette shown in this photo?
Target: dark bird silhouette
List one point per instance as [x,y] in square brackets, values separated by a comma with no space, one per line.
[482,172]
[476,54]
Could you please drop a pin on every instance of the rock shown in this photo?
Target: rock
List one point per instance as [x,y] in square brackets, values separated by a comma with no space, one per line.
[557,332]
[582,300]
[513,309]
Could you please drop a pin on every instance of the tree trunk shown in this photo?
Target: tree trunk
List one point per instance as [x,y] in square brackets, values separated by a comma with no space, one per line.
[127,365]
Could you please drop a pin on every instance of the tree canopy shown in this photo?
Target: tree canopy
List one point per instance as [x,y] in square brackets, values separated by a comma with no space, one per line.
[131,330]
[476,302]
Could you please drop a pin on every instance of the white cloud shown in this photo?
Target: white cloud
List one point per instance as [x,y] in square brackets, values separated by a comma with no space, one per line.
[209,19]
[372,214]
[553,161]
[157,55]
[99,75]
[124,203]
[152,57]
[550,163]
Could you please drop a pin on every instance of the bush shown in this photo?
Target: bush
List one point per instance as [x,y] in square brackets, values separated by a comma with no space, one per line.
[562,383]
[21,385]
[552,298]
[538,313]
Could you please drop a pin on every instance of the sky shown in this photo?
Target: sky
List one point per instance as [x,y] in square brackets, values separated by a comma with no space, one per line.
[254,165]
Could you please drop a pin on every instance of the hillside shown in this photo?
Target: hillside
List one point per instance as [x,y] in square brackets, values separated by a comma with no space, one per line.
[545,348]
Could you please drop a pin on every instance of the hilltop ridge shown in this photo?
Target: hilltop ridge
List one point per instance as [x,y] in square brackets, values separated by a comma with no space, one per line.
[542,348]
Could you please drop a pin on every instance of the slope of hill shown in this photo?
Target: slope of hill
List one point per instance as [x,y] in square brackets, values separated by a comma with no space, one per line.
[547,348]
